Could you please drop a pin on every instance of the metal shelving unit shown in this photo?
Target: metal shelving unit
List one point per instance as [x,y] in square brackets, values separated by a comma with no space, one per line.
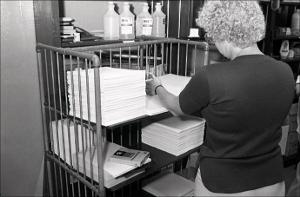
[65,135]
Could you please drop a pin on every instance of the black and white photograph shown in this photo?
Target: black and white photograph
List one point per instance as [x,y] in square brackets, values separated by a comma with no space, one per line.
[150,98]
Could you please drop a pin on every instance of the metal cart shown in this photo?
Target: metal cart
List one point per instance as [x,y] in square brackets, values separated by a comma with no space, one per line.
[66,135]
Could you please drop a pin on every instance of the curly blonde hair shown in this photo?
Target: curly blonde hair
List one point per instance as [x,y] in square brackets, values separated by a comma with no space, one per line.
[239,22]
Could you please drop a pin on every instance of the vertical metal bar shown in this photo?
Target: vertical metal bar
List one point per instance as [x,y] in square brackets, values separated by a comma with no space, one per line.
[55,114]
[179,19]
[155,60]
[67,111]
[138,58]
[81,148]
[121,135]
[61,113]
[112,135]
[167,59]
[147,65]
[178,57]
[168,18]
[74,120]
[50,177]
[110,58]
[49,102]
[206,55]
[163,55]
[42,100]
[171,54]
[89,116]
[120,57]
[186,58]
[100,143]
[194,62]
[129,57]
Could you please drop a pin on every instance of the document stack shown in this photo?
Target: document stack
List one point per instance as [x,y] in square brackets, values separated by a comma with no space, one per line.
[123,95]
[173,84]
[66,28]
[175,135]
[112,170]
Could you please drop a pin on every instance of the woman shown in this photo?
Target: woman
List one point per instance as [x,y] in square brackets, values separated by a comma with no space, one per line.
[244,102]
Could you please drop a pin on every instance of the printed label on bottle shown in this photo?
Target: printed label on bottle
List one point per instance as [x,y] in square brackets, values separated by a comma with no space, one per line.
[147,26]
[126,25]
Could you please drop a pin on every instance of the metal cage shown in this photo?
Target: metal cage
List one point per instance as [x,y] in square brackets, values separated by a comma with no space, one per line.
[67,135]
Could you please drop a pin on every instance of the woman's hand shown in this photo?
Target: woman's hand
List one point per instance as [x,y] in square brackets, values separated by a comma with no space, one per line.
[151,84]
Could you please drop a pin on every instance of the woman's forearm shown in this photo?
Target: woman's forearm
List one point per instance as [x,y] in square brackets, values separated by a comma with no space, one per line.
[170,101]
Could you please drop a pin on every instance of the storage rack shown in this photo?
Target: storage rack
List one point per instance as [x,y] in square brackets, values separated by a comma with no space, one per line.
[181,57]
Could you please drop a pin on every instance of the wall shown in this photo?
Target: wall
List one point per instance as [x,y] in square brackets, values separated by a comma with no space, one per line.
[88,14]
[21,127]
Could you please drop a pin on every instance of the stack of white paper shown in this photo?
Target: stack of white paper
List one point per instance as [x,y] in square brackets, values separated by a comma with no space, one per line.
[68,138]
[170,184]
[112,170]
[173,84]
[122,94]
[175,135]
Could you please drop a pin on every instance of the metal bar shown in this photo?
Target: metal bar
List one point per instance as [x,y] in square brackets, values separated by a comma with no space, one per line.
[129,57]
[55,114]
[120,63]
[42,100]
[139,59]
[162,54]
[171,54]
[99,146]
[67,111]
[168,18]
[74,112]
[50,175]
[179,19]
[194,62]
[178,57]
[147,64]
[155,60]
[186,58]
[81,122]
[110,57]
[62,121]
[72,173]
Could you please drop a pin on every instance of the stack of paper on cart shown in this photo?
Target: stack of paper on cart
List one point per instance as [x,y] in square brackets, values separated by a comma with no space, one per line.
[88,164]
[122,94]
[172,83]
[175,135]
[67,138]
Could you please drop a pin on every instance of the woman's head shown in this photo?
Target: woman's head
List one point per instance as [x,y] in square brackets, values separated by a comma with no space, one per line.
[240,23]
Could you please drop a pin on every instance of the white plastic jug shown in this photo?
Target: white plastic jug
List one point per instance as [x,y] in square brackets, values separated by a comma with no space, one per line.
[144,22]
[127,23]
[159,22]
[111,21]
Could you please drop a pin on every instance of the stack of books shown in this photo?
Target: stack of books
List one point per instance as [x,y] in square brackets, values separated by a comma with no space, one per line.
[67,28]
[123,95]
[175,135]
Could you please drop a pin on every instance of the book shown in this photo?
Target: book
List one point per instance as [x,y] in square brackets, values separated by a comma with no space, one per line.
[130,156]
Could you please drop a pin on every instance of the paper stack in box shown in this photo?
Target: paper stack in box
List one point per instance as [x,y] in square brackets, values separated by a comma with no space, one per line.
[175,135]
[122,94]
[172,83]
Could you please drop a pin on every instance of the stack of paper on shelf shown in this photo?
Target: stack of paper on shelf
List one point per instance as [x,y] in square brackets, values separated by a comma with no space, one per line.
[122,94]
[172,83]
[170,184]
[175,135]
[112,170]
[67,138]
